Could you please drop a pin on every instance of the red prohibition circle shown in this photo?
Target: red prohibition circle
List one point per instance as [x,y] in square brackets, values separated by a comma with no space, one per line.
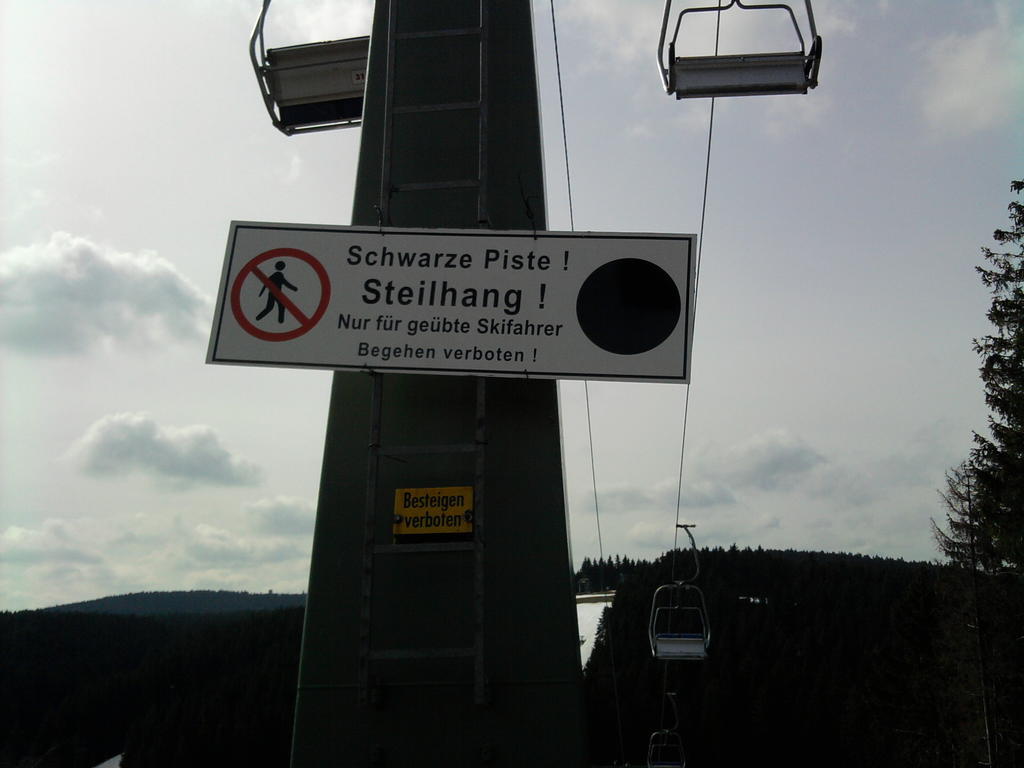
[305,323]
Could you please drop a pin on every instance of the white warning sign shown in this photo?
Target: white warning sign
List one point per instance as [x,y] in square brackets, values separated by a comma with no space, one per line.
[547,304]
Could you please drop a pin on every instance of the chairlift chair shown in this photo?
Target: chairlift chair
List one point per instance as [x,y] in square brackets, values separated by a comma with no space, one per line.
[665,747]
[754,74]
[665,750]
[678,629]
[310,87]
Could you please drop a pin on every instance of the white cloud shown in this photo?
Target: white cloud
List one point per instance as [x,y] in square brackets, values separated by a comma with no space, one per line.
[650,536]
[973,81]
[46,565]
[294,168]
[846,487]
[122,443]
[314,20]
[773,460]
[282,515]
[29,201]
[698,493]
[917,463]
[718,491]
[783,116]
[68,295]
[838,19]
[621,30]
[215,547]
[756,492]
[690,118]
[704,492]
[300,21]
[31,160]
[65,560]
[52,543]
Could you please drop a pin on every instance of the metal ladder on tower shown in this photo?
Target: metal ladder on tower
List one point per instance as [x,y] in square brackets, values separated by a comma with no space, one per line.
[387,189]
[368,655]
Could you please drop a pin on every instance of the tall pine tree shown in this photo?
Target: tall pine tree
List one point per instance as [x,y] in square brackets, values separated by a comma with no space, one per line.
[966,546]
[997,462]
[984,531]
[960,541]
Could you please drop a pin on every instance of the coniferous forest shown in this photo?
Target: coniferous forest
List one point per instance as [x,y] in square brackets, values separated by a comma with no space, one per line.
[173,689]
[815,658]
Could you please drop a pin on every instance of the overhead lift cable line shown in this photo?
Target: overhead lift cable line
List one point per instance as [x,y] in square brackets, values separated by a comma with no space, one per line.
[561,109]
[600,550]
[696,286]
[593,480]
[686,398]
[586,392]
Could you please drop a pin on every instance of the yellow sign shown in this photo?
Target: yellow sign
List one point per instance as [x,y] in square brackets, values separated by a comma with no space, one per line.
[433,510]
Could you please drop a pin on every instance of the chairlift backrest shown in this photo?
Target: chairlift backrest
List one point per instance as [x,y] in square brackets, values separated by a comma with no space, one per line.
[310,87]
[759,73]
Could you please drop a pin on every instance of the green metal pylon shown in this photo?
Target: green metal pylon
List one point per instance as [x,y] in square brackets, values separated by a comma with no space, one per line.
[451,653]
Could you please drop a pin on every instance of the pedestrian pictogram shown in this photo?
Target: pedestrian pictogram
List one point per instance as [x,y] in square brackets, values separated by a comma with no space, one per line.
[275,286]
[281,282]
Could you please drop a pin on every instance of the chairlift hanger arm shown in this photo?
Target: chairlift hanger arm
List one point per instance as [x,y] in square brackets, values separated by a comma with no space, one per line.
[746,7]
[257,34]
[662,68]
[693,548]
[671,696]
[259,64]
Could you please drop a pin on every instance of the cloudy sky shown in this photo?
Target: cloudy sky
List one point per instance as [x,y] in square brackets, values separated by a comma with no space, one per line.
[833,376]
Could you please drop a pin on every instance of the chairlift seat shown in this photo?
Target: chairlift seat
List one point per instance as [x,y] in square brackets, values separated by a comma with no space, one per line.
[680,645]
[696,77]
[318,84]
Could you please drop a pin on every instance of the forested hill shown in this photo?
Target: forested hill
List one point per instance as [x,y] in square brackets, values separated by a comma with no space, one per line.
[816,659]
[195,601]
[186,689]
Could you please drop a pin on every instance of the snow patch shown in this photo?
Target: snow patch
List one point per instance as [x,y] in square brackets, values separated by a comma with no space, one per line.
[587,616]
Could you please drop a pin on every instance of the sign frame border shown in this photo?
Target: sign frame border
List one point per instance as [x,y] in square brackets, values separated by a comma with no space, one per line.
[223,299]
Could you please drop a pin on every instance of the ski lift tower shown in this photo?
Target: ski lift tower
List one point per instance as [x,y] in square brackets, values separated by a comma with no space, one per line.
[439,650]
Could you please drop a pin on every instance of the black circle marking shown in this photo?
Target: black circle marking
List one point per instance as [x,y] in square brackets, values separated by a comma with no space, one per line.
[628,306]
